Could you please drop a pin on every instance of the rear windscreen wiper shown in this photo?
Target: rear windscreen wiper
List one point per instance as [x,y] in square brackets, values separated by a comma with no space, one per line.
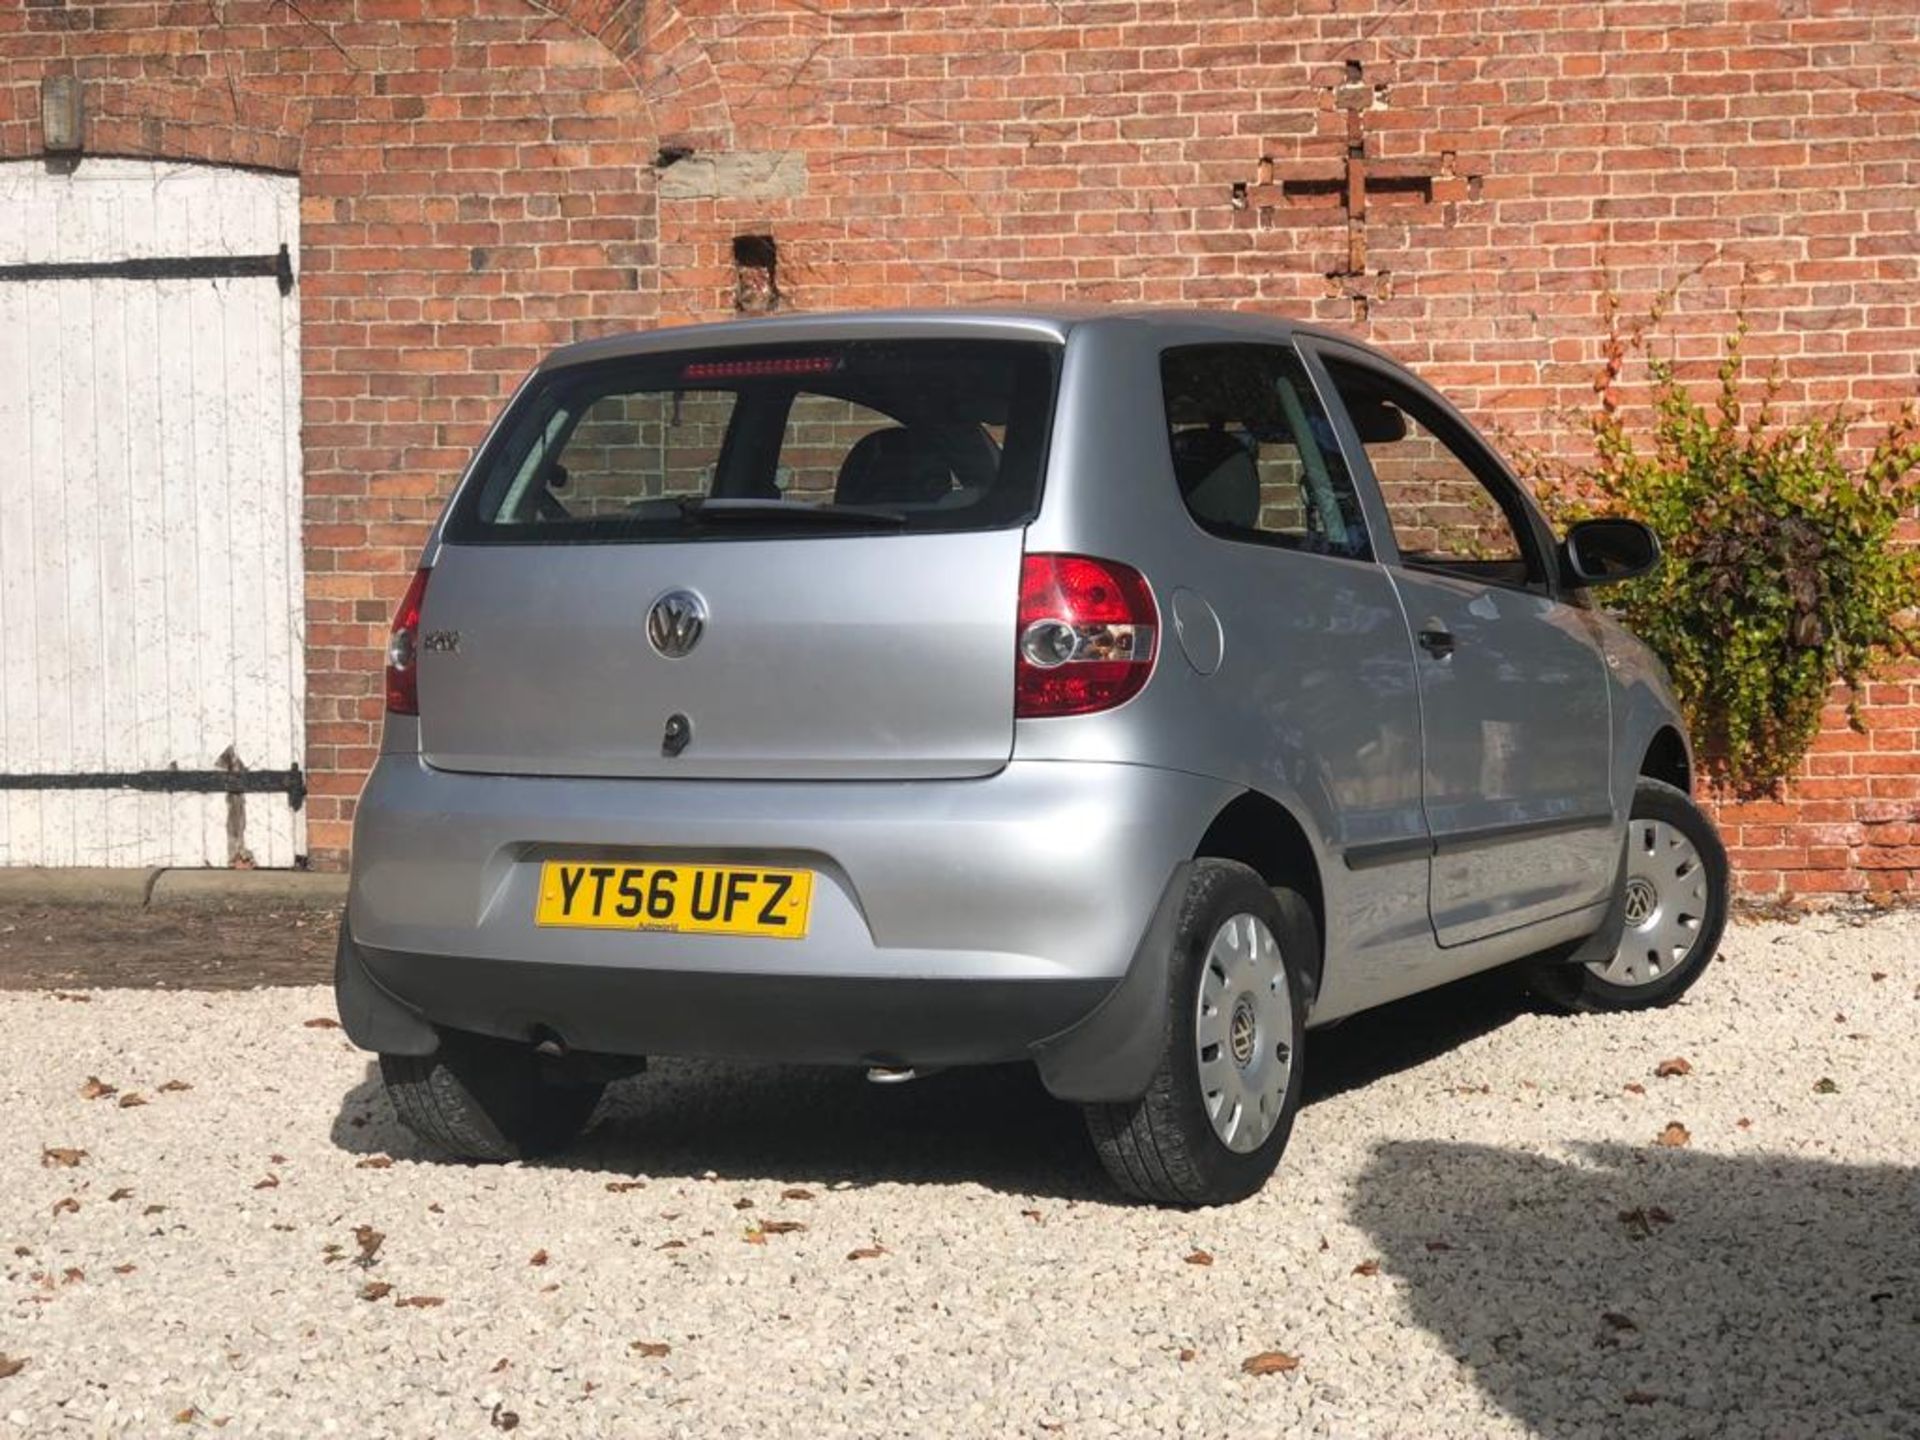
[781,512]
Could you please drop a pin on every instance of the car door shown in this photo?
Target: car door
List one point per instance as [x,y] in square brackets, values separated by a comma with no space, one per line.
[1516,749]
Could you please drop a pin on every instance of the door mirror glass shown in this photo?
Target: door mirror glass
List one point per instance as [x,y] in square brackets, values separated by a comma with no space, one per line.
[1601,552]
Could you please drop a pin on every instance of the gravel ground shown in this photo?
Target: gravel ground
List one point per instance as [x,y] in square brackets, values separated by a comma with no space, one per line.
[1477,1231]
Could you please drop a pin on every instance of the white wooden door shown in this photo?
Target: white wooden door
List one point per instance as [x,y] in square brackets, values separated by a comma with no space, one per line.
[150,564]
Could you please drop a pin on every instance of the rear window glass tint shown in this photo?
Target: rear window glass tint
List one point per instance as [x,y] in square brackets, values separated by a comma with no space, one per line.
[911,435]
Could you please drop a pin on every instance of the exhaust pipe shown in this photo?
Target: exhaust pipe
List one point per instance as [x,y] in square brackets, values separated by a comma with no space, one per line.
[890,1075]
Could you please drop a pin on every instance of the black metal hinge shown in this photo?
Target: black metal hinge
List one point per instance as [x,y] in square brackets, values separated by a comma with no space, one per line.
[278,266]
[206,782]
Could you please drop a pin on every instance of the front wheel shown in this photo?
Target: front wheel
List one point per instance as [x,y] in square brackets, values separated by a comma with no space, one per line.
[1221,1103]
[482,1099]
[1675,908]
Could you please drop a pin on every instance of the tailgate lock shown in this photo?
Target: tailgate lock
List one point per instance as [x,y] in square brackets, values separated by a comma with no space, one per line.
[675,737]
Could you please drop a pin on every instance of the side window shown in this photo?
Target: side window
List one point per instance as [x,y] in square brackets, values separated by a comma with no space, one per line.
[1253,453]
[1451,510]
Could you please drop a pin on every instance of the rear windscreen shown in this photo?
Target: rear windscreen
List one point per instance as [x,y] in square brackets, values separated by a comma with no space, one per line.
[886,436]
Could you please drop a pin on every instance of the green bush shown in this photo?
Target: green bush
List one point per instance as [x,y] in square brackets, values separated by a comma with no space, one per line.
[1783,575]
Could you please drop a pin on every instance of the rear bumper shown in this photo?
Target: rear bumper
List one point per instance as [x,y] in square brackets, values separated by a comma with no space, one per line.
[954,921]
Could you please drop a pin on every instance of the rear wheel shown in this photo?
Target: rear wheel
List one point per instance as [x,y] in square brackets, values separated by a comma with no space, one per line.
[1221,1104]
[1676,908]
[478,1098]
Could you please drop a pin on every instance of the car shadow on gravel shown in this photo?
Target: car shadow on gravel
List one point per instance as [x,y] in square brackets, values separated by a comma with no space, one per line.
[1660,1292]
[994,1126]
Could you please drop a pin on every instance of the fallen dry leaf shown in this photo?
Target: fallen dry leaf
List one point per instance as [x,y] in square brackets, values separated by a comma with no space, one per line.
[1185,1355]
[1439,1247]
[321,1022]
[652,1349]
[375,1290]
[1634,1087]
[1659,1215]
[421,1302]
[153,1210]
[369,1240]
[796,1192]
[123,1193]
[97,1089]
[1674,1136]
[1744,1122]
[132,1098]
[73,1275]
[125,1269]
[187,1416]
[674,1245]
[70,996]
[1877,976]
[174,1087]
[1199,1257]
[1270,1362]
[503,1419]
[867,1252]
[60,1157]
[499,1365]
[621,1187]
[743,1203]
[374,1162]
[549,1289]
[67,1205]
[1033,1215]
[1616,1321]
[270,1182]
[755,1236]
[781,1227]
[1368,1268]
[539,1257]
[1825,1086]
[1667,1069]
[1641,1397]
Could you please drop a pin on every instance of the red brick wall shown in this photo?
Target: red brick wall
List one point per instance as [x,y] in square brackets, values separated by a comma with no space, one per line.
[478,184]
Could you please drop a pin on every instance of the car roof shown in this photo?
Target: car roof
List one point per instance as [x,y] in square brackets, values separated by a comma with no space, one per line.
[1050,324]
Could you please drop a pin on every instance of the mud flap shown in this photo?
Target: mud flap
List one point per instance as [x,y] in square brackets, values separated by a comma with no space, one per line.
[1110,1056]
[373,1018]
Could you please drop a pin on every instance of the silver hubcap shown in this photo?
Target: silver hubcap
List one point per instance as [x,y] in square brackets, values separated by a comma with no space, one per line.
[1243,1033]
[1666,901]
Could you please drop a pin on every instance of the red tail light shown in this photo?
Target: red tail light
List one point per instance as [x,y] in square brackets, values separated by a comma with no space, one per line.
[403,650]
[1085,636]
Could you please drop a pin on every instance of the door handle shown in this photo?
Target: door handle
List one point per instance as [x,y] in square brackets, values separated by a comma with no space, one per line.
[1437,642]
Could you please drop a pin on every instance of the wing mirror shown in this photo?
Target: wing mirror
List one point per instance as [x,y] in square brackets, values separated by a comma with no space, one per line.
[1601,552]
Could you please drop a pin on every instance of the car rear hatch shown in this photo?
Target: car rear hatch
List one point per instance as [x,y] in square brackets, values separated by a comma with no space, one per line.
[783,561]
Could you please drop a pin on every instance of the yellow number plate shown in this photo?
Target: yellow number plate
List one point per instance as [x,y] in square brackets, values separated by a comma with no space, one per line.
[690,899]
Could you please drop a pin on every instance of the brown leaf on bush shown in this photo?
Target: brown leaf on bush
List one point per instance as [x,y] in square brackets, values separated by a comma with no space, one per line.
[867,1252]
[97,1089]
[539,1257]
[1641,1397]
[1825,1086]
[1674,1136]
[1199,1257]
[9,1366]
[1634,1087]
[1667,1069]
[60,1157]
[621,1187]
[1368,1268]
[375,1290]
[269,1182]
[67,1205]
[1270,1362]
[421,1302]
[369,1240]
[374,1162]
[321,1022]
[132,1098]
[652,1349]
[796,1192]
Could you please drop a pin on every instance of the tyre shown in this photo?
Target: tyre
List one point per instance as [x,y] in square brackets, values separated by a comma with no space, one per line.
[1676,908]
[1216,1115]
[482,1099]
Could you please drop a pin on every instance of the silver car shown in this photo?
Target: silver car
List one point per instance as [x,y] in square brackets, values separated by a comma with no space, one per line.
[1126,692]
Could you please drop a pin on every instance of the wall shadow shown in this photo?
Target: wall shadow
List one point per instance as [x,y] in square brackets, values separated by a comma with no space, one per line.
[1661,1292]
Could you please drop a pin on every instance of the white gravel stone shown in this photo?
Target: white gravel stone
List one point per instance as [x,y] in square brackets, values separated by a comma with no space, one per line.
[1765,1278]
